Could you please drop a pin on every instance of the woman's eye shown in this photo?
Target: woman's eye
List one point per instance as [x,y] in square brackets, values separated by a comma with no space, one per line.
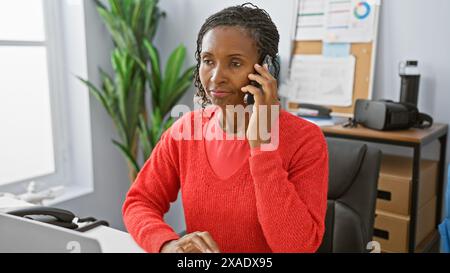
[207,62]
[236,64]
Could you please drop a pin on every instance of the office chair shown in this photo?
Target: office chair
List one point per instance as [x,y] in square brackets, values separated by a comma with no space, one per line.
[352,193]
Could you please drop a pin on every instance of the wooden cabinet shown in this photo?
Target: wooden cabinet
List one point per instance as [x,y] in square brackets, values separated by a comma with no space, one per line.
[409,203]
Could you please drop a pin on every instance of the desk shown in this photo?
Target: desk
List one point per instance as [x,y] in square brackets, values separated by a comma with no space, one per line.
[113,240]
[415,139]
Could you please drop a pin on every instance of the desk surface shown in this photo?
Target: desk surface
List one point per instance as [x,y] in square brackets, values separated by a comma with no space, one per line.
[113,240]
[417,136]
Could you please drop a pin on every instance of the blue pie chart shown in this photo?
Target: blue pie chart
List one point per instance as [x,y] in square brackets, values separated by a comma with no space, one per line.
[362,10]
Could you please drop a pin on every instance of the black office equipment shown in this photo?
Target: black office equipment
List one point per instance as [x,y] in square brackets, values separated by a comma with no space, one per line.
[58,217]
[389,115]
[313,111]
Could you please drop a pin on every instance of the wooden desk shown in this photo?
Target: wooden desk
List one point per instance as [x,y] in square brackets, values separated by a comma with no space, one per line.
[415,139]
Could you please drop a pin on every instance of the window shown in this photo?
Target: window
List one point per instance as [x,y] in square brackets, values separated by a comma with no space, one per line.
[43,115]
[26,140]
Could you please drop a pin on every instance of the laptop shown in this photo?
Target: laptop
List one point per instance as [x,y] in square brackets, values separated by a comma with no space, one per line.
[21,235]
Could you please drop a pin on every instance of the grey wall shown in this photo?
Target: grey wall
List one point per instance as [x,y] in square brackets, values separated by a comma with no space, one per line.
[409,29]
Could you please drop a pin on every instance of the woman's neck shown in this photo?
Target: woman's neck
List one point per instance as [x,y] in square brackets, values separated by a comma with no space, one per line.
[235,120]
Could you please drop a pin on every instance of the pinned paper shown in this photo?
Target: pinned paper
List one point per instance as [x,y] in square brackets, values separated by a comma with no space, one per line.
[350,21]
[323,81]
[311,20]
[336,21]
[336,50]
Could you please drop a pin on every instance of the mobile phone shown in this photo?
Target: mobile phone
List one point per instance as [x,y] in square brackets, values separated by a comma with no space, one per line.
[267,60]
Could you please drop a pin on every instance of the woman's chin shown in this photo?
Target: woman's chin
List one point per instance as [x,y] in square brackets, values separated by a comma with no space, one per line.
[223,103]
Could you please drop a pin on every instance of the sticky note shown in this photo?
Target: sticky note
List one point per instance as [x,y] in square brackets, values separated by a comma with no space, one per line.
[336,50]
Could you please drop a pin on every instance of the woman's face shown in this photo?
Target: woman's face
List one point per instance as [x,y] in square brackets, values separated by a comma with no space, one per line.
[228,55]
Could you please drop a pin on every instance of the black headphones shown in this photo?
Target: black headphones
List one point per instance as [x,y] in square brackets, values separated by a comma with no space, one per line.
[419,120]
[423,121]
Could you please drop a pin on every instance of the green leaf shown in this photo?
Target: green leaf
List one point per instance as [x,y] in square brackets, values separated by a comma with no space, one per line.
[119,29]
[108,85]
[175,94]
[100,4]
[97,94]
[127,154]
[158,16]
[155,64]
[149,17]
[144,137]
[170,121]
[148,76]
[127,7]
[156,125]
[172,71]
[137,10]
[116,8]
[159,129]
[119,82]
[136,100]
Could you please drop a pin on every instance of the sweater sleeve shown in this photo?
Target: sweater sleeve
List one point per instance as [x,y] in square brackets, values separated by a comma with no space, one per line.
[291,205]
[149,198]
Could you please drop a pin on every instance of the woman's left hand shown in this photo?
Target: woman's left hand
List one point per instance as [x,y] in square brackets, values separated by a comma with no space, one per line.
[267,98]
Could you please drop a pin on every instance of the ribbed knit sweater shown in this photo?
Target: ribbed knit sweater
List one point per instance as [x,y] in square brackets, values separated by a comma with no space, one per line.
[276,202]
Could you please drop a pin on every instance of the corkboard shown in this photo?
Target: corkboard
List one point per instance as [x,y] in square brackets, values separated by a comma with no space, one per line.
[363,71]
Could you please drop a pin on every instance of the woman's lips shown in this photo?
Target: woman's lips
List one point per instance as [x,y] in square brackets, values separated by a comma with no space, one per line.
[219,93]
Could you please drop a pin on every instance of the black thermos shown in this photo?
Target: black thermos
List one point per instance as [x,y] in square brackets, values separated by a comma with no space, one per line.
[410,82]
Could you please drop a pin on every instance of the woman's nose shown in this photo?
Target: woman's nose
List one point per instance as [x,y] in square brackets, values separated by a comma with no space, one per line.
[219,75]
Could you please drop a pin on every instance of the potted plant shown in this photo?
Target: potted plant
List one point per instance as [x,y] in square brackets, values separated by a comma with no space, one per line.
[136,65]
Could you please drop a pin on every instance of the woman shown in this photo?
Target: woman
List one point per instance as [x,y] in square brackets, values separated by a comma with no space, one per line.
[238,195]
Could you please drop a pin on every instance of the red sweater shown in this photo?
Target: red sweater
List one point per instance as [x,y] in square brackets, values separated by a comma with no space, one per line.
[276,202]
[225,145]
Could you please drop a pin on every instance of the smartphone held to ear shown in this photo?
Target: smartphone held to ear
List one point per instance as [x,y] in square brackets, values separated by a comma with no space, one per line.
[269,62]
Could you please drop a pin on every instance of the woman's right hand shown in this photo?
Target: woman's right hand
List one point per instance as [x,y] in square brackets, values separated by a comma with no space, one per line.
[196,242]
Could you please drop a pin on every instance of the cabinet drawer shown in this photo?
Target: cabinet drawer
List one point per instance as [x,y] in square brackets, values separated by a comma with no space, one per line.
[392,230]
[395,184]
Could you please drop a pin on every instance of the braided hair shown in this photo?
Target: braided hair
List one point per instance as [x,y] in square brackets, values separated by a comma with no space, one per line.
[252,19]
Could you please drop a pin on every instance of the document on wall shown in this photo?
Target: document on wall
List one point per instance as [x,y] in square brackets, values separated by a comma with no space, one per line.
[336,21]
[311,20]
[320,80]
[349,21]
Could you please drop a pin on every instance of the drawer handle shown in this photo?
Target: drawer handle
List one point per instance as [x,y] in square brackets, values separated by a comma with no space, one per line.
[385,195]
[381,233]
